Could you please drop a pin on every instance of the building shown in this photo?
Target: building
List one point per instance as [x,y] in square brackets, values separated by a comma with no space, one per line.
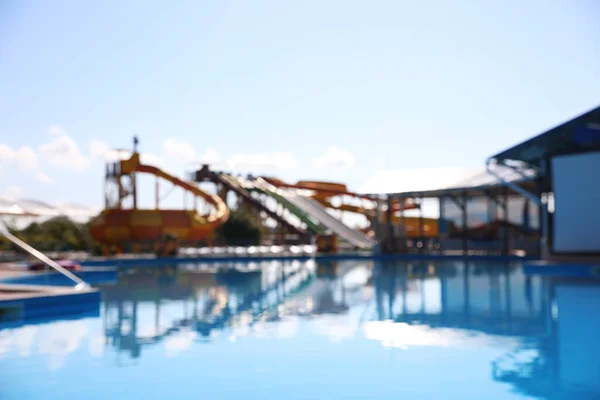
[567,159]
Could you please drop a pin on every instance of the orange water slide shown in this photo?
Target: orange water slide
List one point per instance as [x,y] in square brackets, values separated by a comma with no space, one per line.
[221,211]
[117,226]
[321,189]
[324,191]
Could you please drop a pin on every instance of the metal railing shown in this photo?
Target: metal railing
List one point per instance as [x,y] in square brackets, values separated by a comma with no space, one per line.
[79,283]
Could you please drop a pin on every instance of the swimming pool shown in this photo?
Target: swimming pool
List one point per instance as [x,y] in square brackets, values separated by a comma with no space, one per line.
[306,330]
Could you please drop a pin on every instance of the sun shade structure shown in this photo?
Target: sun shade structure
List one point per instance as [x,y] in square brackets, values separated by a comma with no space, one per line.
[580,134]
[480,183]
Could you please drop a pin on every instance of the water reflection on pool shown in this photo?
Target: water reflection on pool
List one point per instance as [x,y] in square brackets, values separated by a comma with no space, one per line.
[351,329]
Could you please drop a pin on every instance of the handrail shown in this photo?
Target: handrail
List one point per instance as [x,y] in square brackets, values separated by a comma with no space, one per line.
[80,284]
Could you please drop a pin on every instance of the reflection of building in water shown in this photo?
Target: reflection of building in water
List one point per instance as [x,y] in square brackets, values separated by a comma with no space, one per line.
[565,363]
[491,299]
[149,305]
[555,321]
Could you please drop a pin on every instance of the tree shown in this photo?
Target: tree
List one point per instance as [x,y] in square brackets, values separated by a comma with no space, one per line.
[55,234]
[241,230]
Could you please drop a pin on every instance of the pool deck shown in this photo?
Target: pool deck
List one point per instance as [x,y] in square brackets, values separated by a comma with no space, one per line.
[572,269]
[227,258]
[101,265]
[21,303]
[15,292]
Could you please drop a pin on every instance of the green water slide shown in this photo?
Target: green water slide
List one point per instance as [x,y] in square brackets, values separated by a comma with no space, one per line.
[312,223]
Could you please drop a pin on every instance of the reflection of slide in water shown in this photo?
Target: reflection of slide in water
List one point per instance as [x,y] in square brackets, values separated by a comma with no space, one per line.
[203,311]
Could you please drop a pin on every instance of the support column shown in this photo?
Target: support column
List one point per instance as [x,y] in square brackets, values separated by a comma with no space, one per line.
[506,235]
[133,178]
[465,237]
[491,207]
[421,234]
[542,188]
[390,229]
[157,195]
[401,241]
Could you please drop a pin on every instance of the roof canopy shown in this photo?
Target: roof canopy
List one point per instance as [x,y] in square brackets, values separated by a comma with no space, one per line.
[577,135]
[480,183]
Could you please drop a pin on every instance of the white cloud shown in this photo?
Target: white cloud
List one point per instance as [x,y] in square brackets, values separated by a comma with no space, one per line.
[99,149]
[12,192]
[63,151]
[210,156]
[24,156]
[178,151]
[262,161]
[334,157]
[42,177]
[27,158]
[7,154]
[151,159]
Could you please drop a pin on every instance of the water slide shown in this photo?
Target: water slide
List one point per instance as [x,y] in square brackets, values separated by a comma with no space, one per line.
[135,227]
[317,212]
[324,191]
[214,220]
[263,187]
[243,188]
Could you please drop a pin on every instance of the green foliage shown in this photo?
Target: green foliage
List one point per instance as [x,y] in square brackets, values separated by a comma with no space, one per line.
[56,234]
[241,230]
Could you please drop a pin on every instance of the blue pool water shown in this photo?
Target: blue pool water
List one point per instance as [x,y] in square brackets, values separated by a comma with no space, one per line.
[300,330]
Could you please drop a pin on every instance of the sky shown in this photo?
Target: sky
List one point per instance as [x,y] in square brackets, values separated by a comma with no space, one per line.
[327,90]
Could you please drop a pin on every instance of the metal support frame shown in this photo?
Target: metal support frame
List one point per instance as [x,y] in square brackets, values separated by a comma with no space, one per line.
[536,198]
[513,185]
[541,216]
[494,198]
[462,204]
[492,205]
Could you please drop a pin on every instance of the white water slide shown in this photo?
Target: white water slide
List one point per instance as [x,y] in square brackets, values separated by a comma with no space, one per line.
[318,212]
